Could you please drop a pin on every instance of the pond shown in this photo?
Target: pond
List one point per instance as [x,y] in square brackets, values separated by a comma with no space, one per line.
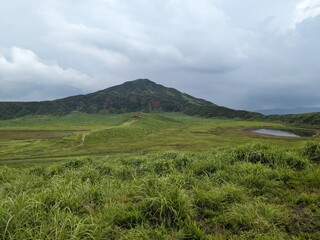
[274,132]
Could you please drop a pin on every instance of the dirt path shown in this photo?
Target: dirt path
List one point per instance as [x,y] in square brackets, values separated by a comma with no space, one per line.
[85,134]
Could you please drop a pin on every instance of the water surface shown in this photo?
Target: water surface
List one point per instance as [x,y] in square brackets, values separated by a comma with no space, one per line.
[278,133]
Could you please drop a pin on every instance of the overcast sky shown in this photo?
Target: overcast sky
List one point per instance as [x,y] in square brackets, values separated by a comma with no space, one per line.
[244,54]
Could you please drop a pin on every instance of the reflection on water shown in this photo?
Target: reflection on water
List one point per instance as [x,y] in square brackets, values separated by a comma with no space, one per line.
[278,133]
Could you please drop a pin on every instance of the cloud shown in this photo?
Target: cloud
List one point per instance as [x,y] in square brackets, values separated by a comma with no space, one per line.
[26,68]
[306,9]
[166,40]
[242,54]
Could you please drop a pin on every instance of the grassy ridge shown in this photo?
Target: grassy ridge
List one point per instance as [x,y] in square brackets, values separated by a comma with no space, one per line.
[250,191]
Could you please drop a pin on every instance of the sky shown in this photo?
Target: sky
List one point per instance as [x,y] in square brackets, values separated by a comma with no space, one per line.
[244,54]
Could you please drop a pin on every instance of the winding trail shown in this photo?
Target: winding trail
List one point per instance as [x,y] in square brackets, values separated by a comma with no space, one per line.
[86,133]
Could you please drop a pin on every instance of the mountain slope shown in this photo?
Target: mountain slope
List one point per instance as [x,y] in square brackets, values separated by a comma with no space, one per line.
[139,95]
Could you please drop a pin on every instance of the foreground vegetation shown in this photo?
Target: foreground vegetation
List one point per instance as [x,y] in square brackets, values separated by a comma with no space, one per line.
[250,191]
[155,176]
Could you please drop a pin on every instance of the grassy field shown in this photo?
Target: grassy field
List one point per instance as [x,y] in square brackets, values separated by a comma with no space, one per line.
[155,176]
[52,138]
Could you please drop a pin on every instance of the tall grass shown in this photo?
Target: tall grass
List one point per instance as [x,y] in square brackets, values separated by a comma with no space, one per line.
[247,192]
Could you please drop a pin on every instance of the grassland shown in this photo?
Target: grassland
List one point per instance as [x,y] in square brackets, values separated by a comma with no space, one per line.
[78,134]
[155,176]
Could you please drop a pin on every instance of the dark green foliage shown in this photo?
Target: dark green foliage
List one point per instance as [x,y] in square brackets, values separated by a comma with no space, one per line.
[264,154]
[104,170]
[312,151]
[305,222]
[141,95]
[75,164]
[255,153]
[205,168]
[38,171]
[163,167]
[295,161]
[220,112]
[128,217]
[297,119]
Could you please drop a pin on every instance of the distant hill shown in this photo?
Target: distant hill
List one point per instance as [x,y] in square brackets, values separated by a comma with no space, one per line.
[282,111]
[141,95]
[297,119]
[297,116]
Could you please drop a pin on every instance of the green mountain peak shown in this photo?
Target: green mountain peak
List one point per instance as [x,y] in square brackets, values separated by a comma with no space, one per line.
[141,95]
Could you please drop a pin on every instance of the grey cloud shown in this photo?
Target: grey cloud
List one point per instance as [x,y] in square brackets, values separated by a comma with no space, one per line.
[242,54]
[22,91]
[279,98]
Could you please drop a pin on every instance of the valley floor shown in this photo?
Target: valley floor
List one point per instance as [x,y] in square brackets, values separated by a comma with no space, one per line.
[48,138]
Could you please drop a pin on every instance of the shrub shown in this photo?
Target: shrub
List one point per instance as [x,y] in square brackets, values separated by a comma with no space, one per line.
[255,153]
[168,162]
[259,179]
[8,174]
[125,173]
[255,217]
[163,167]
[127,217]
[72,195]
[165,204]
[182,162]
[38,171]
[312,151]
[75,164]
[104,170]
[307,199]
[89,174]
[205,168]
[295,161]
[258,153]
[214,199]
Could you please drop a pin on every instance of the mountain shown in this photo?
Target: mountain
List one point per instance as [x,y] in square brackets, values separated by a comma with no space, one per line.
[282,111]
[133,96]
